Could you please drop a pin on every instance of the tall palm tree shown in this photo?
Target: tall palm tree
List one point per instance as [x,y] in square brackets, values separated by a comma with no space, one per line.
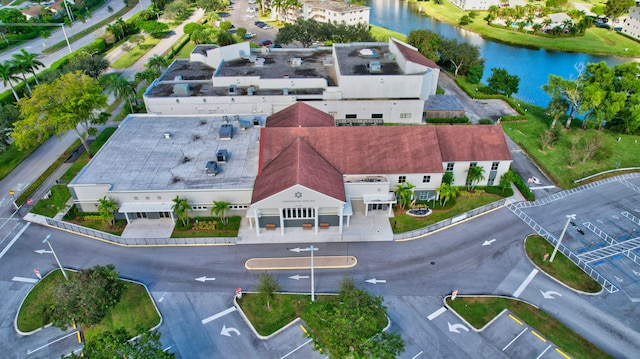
[475,174]
[404,193]
[181,208]
[106,209]
[30,61]
[123,88]
[21,69]
[157,62]
[446,192]
[8,75]
[220,208]
[146,76]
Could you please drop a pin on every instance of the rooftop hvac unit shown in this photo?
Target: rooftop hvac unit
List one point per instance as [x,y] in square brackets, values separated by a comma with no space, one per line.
[327,61]
[389,57]
[233,89]
[226,132]
[222,156]
[366,52]
[256,121]
[285,91]
[236,117]
[181,89]
[374,66]
[250,90]
[259,62]
[295,61]
[225,119]
[212,168]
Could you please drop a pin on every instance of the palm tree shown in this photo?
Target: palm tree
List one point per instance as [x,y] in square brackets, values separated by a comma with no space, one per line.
[446,192]
[8,75]
[106,208]
[146,76]
[404,193]
[22,69]
[123,88]
[181,207]
[220,208]
[547,22]
[475,174]
[30,61]
[157,62]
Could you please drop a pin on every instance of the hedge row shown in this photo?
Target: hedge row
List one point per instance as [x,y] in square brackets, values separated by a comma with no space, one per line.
[448,120]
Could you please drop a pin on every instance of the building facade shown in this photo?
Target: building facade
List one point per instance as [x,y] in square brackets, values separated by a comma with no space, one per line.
[475,4]
[324,11]
[631,25]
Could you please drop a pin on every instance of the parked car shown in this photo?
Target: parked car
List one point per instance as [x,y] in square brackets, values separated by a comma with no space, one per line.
[260,24]
[250,16]
[265,43]
[266,27]
[251,9]
[249,35]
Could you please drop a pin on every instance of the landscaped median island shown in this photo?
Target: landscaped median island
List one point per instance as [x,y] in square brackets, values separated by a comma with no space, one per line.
[478,311]
[348,324]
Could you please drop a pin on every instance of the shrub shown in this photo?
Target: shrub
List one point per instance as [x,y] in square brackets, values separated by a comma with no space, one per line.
[485,121]
[522,187]
[448,120]
[497,190]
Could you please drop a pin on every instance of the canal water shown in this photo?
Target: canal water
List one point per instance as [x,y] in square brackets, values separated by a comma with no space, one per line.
[532,66]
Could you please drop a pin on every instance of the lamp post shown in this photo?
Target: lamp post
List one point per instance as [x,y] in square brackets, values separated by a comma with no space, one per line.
[309,249]
[46,240]
[564,230]
[13,194]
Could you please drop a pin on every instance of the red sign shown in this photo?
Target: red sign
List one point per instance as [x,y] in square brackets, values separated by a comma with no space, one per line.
[30,201]
[36,271]
[238,290]
[530,180]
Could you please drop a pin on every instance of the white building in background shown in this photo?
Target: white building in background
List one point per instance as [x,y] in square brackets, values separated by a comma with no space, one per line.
[475,4]
[325,11]
[357,83]
[631,25]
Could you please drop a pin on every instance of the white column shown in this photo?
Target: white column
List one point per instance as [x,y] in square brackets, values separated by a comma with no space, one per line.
[126,215]
[281,211]
[315,218]
[340,220]
[257,217]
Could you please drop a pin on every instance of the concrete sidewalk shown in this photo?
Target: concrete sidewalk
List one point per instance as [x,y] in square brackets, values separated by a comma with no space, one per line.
[300,262]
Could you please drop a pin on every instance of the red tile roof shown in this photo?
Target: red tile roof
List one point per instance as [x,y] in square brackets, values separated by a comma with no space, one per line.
[472,143]
[362,150]
[413,55]
[300,115]
[299,164]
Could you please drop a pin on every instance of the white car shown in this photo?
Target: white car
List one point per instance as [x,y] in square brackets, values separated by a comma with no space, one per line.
[250,16]
[252,1]
[251,9]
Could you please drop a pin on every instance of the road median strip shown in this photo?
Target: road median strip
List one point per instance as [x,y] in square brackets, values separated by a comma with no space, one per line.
[300,262]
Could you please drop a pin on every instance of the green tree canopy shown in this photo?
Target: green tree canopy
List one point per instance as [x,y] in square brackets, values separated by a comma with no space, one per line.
[461,55]
[302,31]
[267,288]
[427,42]
[615,8]
[220,208]
[118,344]
[475,174]
[107,208]
[70,103]
[502,82]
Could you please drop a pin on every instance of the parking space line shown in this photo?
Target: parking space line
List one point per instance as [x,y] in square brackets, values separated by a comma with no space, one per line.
[538,335]
[525,283]
[435,314]
[544,351]
[515,319]
[562,353]
[516,338]
[294,350]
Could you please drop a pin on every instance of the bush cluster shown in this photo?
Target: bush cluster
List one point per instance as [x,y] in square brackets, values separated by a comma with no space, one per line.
[204,225]
[448,120]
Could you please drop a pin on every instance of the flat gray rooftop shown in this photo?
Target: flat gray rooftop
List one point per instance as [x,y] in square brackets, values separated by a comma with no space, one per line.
[442,103]
[171,153]
[355,59]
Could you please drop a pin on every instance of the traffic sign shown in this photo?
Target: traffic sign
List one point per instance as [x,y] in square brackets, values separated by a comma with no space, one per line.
[12,192]
[30,201]
[238,293]
[37,272]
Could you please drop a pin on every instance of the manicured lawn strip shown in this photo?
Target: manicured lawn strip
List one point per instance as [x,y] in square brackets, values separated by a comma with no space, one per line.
[406,223]
[230,230]
[55,203]
[594,41]
[135,53]
[11,158]
[284,309]
[383,34]
[134,311]
[471,308]
[562,268]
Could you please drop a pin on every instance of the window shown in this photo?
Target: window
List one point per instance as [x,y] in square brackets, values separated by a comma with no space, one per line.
[199,208]
[238,206]
[146,197]
[473,164]
[426,179]
[298,213]
[402,179]
[351,115]
[135,198]
[376,115]
[405,115]
[494,166]
[450,167]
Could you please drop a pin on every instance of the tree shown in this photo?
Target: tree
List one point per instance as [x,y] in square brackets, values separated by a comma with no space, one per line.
[118,344]
[506,180]
[106,209]
[445,193]
[615,8]
[460,55]
[447,178]
[601,99]
[8,75]
[181,208]
[146,76]
[123,89]
[475,174]
[8,115]
[556,108]
[68,103]
[86,297]
[157,63]
[568,91]
[27,62]
[220,208]
[427,42]
[224,38]
[211,5]
[303,31]
[91,65]
[502,82]
[349,325]
[267,287]
[404,194]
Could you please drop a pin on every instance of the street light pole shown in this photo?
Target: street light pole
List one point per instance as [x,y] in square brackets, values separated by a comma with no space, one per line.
[564,230]
[309,249]
[46,240]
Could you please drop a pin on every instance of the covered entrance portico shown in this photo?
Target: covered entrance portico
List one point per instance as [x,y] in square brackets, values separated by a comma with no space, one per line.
[147,210]
[379,202]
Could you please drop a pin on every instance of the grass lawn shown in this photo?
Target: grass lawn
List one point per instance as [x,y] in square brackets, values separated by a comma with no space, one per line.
[406,223]
[478,311]
[594,41]
[284,309]
[135,309]
[135,53]
[383,34]
[55,203]
[11,158]
[562,268]
[205,228]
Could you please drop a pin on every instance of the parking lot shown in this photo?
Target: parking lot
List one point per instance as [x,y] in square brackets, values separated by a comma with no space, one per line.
[604,234]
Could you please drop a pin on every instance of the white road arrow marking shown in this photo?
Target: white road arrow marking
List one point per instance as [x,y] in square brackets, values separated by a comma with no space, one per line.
[298,277]
[25,280]
[295,249]
[375,281]
[227,331]
[454,327]
[43,251]
[550,294]
[204,279]
[218,315]
[488,243]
